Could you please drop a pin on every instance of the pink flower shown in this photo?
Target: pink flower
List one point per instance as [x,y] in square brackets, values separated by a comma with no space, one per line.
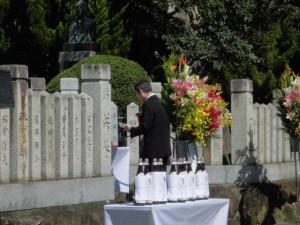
[207,133]
[292,97]
[187,85]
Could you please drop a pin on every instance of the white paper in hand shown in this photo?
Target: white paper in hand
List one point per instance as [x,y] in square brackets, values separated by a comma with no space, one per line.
[122,125]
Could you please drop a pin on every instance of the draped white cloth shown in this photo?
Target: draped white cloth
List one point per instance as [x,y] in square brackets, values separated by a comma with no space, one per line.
[120,168]
[201,212]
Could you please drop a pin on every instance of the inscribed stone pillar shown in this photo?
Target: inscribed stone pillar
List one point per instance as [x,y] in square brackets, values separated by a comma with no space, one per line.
[286,155]
[96,78]
[267,132]
[273,133]
[34,109]
[156,88]
[87,135]
[133,143]
[37,84]
[279,131]
[19,157]
[242,122]
[4,145]
[61,136]
[279,140]
[258,115]
[114,125]
[216,148]
[48,135]
[74,136]
[69,85]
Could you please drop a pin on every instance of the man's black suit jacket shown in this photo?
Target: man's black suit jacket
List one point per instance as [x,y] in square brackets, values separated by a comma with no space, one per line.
[155,127]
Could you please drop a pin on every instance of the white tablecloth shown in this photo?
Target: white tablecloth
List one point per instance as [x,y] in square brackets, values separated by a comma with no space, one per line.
[201,212]
[120,168]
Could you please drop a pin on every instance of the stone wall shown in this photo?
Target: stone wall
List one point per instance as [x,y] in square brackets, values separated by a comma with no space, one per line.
[55,149]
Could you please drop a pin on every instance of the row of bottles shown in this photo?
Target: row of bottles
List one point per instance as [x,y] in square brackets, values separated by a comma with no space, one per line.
[180,185]
[150,187]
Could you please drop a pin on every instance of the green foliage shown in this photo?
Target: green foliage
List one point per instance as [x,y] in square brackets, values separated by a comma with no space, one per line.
[4,42]
[118,35]
[37,24]
[111,35]
[32,32]
[124,74]
[100,11]
[239,39]
[148,21]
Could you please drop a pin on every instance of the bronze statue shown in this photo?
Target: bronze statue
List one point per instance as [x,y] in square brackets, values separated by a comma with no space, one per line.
[83,28]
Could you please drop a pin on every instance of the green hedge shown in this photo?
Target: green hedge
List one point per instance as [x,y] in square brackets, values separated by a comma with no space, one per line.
[124,74]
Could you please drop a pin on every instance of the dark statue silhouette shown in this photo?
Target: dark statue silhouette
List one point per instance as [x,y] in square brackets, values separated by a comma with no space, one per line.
[82,29]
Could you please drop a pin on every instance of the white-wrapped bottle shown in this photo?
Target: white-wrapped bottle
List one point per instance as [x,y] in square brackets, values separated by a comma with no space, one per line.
[183,181]
[157,187]
[163,175]
[148,177]
[191,182]
[140,191]
[202,183]
[173,183]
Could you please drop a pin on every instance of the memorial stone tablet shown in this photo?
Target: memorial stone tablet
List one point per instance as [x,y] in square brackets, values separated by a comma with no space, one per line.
[6,92]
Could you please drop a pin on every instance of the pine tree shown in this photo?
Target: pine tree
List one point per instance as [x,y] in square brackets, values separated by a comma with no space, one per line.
[38,28]
[4,41]
[120,42]
[100,12]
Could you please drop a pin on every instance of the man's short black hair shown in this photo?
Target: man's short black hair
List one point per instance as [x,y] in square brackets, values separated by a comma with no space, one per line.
[143,85]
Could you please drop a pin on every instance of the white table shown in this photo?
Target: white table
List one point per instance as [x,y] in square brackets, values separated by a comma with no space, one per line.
[202,212]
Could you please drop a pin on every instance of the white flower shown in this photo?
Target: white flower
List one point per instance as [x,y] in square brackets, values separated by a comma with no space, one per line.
[290,115]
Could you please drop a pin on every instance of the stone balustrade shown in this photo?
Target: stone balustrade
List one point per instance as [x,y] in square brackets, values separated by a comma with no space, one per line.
[63,141]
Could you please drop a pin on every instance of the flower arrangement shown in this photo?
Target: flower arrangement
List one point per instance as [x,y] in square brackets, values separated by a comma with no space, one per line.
[197,109]
[289,103]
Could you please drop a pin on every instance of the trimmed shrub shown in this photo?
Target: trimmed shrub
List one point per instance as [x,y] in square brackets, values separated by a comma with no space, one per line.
[124,74]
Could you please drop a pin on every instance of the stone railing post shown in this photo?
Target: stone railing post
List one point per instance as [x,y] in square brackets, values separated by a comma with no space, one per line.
[96,78]
[19,157]
[114,125]
[213,152]
[242,122]
[156,88]
[133,143]
[37,84]
[69,85]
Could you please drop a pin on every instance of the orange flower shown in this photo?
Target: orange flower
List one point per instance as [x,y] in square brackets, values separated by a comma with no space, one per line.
[181,60]
[173,67]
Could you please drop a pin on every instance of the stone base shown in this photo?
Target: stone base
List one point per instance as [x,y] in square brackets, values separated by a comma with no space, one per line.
[29,195]
[69,58]
[79,47]
[92,213]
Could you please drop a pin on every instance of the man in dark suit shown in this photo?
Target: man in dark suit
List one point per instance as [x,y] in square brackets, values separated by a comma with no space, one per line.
[154,125]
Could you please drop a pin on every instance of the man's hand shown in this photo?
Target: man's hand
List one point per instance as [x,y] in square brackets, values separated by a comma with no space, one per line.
[127,127]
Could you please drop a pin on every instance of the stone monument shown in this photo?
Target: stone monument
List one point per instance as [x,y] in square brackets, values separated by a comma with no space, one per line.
[81,40]
[6,91]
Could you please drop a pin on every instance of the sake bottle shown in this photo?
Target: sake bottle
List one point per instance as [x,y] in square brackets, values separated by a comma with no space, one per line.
[140,170]
[157,190]
[191,184]
[205,179]
[182,180]
[140,185]
[200,180]
[163,178]
[173,183]
[148,182]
